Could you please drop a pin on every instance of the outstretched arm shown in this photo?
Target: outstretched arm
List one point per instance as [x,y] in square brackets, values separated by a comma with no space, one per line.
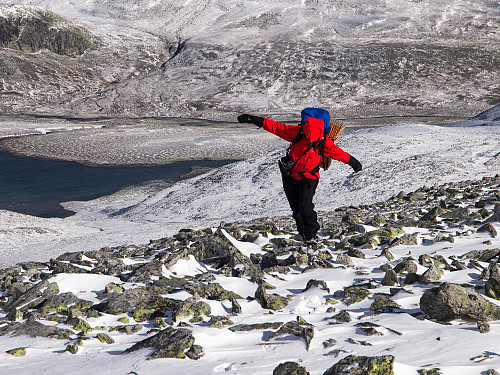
[335,152]
[287,132]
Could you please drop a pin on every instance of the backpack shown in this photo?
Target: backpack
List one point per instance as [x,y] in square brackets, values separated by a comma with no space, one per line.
[330,131]
[319,113]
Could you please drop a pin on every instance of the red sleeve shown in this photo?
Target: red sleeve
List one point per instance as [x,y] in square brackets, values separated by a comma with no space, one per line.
[335,152]
[287,132]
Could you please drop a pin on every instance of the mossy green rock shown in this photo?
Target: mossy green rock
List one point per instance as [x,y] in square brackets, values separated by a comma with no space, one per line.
[270,301]
[359,365]
[384,303]
[492,286]
[104,338]
[142,315]
[451,301]
[355,294]
[17,352]
[192,307]
[73,349]
[168,343]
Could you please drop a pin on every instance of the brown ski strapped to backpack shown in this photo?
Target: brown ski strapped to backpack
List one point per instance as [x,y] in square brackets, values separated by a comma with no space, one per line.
[336,127]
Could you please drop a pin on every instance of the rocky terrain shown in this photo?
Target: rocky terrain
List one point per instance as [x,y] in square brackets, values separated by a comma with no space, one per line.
[383,272]
[216,59]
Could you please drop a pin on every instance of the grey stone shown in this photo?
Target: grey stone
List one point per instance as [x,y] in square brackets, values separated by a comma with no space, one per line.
[318,284]
[406,265]
[390,278]
[384,304]
[492,286]
[290,368]
[303,330]
[168,343]
[33,297]
[35,329]
[490,228]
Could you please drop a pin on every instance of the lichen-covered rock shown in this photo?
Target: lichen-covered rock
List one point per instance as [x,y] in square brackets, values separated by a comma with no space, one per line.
[105,338]
[35,329]
[133,299]
[482,255]
[219,322]
[212,291]
[62,303]
[342,317]
[353,294]
[390,278]
[255,326]
[433,273]
[295,328]
[191,306]
[451,301]
[146,272]
[290,368]
[268,260]
[168,343]
[384,303]
[359,365]
[17,352]
[406,266]
[343,259]
[270,301]
[492,286]
[33,297]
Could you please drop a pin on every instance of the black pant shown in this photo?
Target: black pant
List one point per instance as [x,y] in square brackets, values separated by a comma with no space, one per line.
[300,195]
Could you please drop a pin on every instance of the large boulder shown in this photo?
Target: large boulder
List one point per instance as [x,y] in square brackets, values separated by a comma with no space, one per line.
[451,301]
[33,297]
[354,365]
[35,329]
[492,286]
[170,343]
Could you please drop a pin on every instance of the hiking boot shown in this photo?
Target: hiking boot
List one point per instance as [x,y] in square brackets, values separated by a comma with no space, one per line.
[312,244]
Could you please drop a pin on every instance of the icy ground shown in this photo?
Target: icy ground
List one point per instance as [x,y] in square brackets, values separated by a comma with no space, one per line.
[395,158]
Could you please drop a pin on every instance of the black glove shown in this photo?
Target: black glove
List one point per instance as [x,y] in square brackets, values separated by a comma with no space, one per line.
[259,121]
[355,164]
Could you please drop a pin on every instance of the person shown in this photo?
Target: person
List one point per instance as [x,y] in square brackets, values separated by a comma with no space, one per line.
[300,184]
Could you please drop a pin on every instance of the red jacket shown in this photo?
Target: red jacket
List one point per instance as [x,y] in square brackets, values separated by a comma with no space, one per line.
[312,131]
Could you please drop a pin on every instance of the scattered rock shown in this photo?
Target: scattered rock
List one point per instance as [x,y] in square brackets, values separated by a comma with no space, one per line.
[35,329]
[290,368]
[17,352]
[390,278]
[257,326]
[384,304]
[490,229]
[318,284]
[406,266]
[302,330]
[104,338]
[168,343]
[355,294]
